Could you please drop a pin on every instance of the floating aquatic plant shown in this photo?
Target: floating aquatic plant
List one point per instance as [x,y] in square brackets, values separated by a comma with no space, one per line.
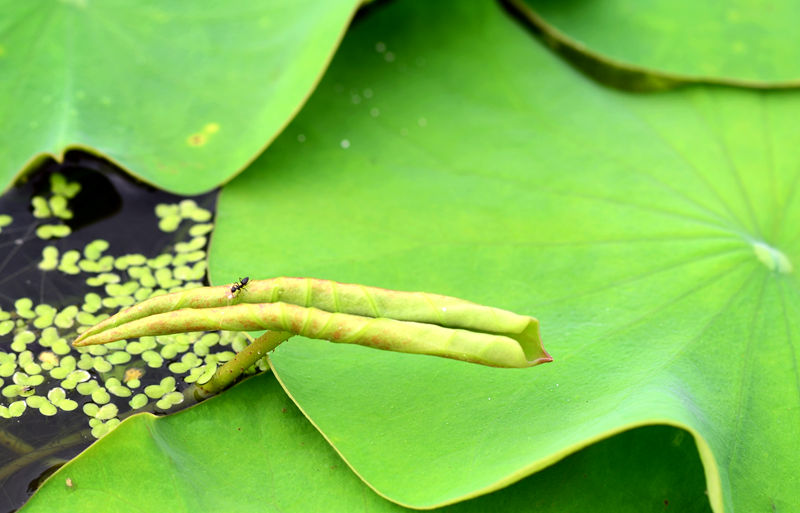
[40,373]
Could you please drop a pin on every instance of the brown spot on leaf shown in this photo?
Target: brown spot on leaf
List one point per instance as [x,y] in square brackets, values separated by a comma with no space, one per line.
[197,139]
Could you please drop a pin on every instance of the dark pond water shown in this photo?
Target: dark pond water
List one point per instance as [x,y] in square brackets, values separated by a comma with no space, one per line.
[57,400]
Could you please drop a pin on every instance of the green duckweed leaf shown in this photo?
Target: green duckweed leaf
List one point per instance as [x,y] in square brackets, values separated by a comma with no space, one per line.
[651,235]
[182,94]
[737,42]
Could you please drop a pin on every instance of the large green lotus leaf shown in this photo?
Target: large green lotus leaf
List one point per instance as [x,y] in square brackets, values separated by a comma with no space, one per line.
[652,235]
[183,94]
[740,42]
[200,460]
[252,450]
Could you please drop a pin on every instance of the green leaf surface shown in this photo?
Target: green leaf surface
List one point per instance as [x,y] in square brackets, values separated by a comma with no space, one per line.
[215,457]
[197,460]
[182,94]
[650,234]
[739,42]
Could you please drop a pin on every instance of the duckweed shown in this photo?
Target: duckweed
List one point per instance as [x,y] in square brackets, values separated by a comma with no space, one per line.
[200,215]
[86,361]
[154,391]
[45,314]
[15,390]
[6,327]
[88,319]
[200,229]
[172,349]
[67,405]
[40,403]
[207,373]
[239,343]
[91,409]
[143,293]
[87,387]
[58,206]
[194,244]
[96,351]
[164,210]
[21,341]
[165,279]
[119,390]
[61,347]
[101,365]
[101,396]
[138,401]
[152,358]
[6,220]
[107,412]
[65,366]
[118,358]
[40,354]
[126,289]
[48,409]
[48,337]
[69,262]
[125,261]
[169,223]
[56,395]
[116,346]
[75,378]
[60,185]
[49,260]
[17,408]
[95,249]
[32,368]
[159,262]
[66,317]
[103,429]
[188,361]
[169,400]
[35,401]
[23,307]
[41,209]
[103,278]
[51,231]
[8,364]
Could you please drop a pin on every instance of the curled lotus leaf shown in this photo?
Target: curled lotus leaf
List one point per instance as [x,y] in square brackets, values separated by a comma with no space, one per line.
[409,322]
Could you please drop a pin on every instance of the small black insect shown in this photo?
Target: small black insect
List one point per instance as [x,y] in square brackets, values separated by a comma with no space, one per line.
[239,285]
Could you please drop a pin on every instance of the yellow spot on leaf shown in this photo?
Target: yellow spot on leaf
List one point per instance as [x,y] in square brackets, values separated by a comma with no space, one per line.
[200,138]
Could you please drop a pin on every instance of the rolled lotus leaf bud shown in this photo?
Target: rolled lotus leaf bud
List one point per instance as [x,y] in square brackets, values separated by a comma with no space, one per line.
[411,322]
